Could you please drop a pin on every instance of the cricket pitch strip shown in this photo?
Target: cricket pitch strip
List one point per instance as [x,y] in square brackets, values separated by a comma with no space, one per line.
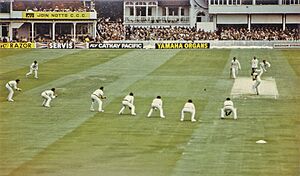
[242,88]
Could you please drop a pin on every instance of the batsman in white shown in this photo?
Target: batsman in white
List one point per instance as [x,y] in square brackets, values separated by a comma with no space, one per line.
[128,101]
[33,68]
[190,108]
[10,86]
[97,95]
[228,108]
[234,68]
[256,77]
[264,65]
[157,104]
[48,95]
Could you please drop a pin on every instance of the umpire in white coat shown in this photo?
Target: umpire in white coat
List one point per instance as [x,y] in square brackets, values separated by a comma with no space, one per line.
[254,64]
[234,67]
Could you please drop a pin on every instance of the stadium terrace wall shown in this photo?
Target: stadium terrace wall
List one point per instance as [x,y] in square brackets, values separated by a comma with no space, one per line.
[154,45]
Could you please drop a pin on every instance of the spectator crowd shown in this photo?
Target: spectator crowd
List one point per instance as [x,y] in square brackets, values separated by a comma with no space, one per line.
[259,33]
[117,31]
[109,30]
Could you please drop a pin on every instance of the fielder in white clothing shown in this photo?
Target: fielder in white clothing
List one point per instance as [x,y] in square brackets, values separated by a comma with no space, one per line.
[190,108]
[10,86]
[256,77]
[228,108]
[97,95]
[48,95]
[33,68]
[264,65]
[128,101]
[157,104]
[254,64]
[234,68]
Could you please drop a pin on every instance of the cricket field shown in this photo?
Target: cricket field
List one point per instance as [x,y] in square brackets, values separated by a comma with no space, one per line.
[70,140]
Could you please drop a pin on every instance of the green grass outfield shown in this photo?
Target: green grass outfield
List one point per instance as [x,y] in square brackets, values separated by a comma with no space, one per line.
[69,140]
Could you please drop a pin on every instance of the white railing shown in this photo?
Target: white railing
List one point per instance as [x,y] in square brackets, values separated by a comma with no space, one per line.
[157,19]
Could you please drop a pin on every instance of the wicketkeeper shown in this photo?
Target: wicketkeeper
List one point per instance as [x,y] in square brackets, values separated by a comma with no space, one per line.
[97,95]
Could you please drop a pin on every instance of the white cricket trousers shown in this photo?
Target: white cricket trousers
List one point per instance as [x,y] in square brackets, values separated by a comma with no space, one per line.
[30,72]
[229,108]
[161,112]
[255,86]
[47,99]
[98,100]
[234,72]
[184,110]
[10,92]
[130,105]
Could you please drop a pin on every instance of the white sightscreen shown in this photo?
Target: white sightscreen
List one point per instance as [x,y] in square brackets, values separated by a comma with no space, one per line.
[232,19]
[293,19]
[266,19]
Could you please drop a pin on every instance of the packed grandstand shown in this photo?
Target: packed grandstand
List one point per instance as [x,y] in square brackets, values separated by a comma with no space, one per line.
[115,30]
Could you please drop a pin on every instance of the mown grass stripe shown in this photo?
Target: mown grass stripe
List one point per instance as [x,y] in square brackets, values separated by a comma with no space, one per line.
[23,58]
[188,163]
